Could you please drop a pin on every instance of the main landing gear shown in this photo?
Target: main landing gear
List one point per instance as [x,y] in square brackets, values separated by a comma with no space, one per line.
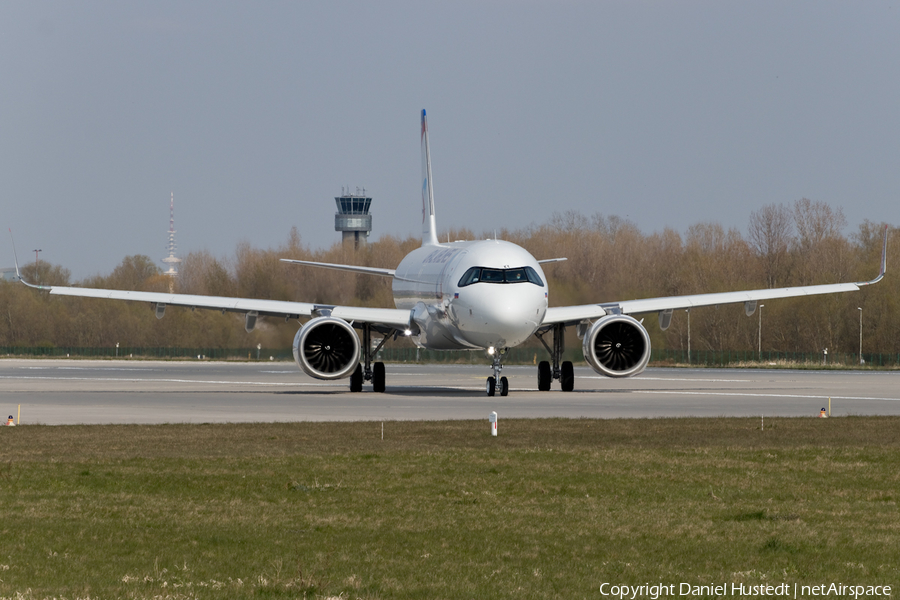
[373,372]
[496,383]
[564,371]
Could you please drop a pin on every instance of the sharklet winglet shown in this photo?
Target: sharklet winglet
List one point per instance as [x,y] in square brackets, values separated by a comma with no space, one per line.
[883,261]
[18,273]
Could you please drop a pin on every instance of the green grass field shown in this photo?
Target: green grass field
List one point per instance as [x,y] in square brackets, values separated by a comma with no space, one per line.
[548,509]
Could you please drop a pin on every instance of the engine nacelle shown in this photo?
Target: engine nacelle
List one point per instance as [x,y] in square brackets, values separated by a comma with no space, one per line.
[327,348]
[617,346]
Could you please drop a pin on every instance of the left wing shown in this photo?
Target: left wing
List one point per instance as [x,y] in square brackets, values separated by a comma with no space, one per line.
[570,315]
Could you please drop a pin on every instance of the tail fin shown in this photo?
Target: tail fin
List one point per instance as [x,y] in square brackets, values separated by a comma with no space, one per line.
[429,225]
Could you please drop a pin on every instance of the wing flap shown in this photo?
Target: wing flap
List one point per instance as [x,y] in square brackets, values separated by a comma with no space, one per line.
[573,314]
[394,317]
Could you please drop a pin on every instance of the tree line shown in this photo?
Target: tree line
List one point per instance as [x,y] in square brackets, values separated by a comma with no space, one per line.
[609,258]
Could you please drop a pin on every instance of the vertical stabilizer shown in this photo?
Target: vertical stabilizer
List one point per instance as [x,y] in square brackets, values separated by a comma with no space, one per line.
[429,226]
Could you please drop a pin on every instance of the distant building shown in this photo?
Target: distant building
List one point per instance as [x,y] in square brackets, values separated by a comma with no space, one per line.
[8,274]
[352,218]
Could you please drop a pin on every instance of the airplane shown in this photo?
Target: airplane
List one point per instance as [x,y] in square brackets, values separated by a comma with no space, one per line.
[488,295]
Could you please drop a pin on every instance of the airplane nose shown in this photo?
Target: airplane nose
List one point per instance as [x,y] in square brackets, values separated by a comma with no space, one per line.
[506,316]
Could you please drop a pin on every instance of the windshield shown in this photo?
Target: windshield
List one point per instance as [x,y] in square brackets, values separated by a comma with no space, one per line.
[486,275]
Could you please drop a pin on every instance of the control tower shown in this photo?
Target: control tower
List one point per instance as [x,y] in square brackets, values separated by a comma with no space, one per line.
[352,218]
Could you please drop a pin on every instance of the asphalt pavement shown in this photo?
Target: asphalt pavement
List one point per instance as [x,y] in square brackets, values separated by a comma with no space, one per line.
[56,392]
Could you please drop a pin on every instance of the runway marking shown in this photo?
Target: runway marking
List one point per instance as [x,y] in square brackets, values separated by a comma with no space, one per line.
[135,380]
[638,379]
[756,395]
[91,368]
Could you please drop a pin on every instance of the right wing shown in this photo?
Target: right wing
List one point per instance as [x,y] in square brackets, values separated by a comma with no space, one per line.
[337,267]
[251,307]
[391,317]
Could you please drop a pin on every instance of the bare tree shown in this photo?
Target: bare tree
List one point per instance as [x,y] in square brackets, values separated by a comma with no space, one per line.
[816,222]
[770,232]
[821,249]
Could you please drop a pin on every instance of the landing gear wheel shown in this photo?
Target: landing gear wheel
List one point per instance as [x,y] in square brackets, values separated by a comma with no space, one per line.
[544,376]
[504,386]
[356,380]
[491,386]
[567,377]
[378,377]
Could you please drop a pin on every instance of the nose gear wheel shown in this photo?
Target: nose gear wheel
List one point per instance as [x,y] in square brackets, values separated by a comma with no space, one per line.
[496,383]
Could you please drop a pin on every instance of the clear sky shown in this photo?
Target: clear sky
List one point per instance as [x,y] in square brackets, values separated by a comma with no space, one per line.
[255,114]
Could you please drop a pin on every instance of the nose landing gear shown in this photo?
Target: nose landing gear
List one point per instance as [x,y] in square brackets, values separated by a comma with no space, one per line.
[496,383]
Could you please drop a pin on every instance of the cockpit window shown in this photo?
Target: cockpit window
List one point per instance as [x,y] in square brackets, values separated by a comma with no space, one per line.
[516,275]
[492,275]
[471,276]
[485,275]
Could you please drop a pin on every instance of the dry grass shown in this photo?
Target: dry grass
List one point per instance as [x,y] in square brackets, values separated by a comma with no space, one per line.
[549,509]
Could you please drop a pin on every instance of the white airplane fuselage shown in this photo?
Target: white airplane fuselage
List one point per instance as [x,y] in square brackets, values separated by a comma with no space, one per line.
[501,305]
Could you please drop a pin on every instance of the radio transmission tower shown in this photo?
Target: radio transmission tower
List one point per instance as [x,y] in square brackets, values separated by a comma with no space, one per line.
[171,260]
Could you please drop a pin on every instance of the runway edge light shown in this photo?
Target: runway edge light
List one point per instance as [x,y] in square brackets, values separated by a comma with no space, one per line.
[492,419]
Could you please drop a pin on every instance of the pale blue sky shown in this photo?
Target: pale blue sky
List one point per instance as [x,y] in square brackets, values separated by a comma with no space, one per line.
[255,115]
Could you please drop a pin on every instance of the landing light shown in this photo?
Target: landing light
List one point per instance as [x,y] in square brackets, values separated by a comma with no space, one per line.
[407,332]
[491,350]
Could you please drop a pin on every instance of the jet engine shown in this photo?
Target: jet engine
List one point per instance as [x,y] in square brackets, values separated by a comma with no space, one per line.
[327,348]
[617,346]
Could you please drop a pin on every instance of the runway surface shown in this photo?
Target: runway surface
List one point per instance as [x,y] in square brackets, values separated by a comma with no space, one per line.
[56,392]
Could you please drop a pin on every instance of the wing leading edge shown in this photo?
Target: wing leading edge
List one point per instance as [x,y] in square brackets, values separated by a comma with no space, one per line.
[391,317]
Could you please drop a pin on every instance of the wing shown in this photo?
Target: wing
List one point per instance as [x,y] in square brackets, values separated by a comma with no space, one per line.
[570,315]
[337,267]
[391,317]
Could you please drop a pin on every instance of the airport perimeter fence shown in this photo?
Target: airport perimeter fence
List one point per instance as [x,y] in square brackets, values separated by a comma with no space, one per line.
[771,358]
[514,356]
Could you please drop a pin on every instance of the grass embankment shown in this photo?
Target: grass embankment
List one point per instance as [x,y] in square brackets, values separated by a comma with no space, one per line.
[549,509]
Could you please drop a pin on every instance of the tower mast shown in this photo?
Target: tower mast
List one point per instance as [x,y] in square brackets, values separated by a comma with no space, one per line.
[171,260]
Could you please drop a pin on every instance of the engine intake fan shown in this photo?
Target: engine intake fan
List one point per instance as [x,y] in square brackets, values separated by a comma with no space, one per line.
[617,346]
[327,348]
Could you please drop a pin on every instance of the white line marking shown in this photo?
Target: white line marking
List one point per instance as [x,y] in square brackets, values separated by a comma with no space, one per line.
[135,380]
[642,378]
[673,392]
